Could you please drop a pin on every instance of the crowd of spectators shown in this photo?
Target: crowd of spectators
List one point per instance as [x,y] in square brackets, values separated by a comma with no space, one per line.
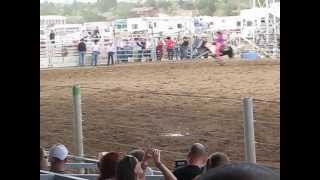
[142,48]
[134,165]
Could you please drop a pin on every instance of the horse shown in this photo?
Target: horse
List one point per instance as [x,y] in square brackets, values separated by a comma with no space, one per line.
[209,50]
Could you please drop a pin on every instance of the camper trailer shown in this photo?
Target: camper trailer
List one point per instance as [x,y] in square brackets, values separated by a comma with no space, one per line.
[137,25]
[251,19]
[105,30]
[170,25]
[65,29]
[226,23]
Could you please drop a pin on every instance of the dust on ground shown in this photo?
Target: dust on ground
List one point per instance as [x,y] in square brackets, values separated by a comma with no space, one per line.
[143,105]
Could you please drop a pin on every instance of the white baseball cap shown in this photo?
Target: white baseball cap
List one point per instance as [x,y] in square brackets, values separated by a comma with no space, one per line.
[58,151]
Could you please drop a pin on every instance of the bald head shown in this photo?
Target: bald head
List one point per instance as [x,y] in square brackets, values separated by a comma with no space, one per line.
[197,150]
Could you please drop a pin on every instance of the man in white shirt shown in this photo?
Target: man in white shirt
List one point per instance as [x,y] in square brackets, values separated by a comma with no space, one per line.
[95,53]
[110,50]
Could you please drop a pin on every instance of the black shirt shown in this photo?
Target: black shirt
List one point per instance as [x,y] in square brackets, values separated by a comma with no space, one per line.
[52,36]
[82,46]
[185,43]
[187,172]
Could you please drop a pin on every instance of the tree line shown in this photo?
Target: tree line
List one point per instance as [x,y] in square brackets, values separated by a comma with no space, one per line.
[86,12]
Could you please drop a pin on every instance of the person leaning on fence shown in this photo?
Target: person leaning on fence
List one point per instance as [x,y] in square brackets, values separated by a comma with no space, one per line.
[184,48]
[52,36]
[82,48]
[107,166]
[95,53]
[129,168]
[111,50]
[197,158]
[43,159]
[159,49]
[147,52]
[58,157]
[143,158]
[170,46]
[142,44]
[177,49]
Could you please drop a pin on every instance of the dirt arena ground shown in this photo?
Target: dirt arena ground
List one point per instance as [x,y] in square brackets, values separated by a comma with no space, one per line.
[144,105]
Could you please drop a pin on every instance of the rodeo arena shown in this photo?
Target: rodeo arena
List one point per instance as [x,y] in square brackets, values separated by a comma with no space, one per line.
[201,91]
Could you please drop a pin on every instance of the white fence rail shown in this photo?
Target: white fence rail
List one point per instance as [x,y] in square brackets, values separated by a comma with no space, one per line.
[65,53]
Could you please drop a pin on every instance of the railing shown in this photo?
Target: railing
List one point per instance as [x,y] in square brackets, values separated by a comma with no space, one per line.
[46,175]
[88,164]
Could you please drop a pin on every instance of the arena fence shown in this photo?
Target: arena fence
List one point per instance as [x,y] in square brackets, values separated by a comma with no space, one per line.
[64,53]
[223,133]
[47,175]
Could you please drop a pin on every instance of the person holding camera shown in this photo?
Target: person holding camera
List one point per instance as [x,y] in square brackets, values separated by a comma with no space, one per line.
[197,158]
[130,168]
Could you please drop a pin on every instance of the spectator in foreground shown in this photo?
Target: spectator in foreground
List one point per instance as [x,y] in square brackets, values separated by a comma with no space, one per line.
[58,157]
[129,168]
[43,159]
[107,166]
[241,171]
[197,158]
[143,157]
[216,160]
[95,53]
[82,48]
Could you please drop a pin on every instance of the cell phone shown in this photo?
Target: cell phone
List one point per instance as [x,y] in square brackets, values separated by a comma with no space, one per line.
[180,163]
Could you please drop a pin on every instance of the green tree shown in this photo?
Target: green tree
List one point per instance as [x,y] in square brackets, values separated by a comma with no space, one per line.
[105,5]
[163,4]
[49,9]
[123,10]
[206,7]
[152,3]
[91,15]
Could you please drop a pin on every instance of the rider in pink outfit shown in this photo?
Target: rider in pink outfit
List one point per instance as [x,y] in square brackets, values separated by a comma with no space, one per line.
[219,45]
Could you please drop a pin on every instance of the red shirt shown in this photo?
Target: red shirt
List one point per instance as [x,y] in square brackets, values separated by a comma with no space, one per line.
[170,44]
